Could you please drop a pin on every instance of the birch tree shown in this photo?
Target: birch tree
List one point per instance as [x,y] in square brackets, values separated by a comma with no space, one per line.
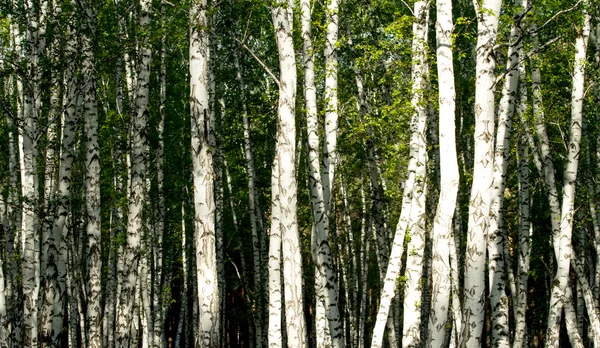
[284,188]
[327,290]
[203,177]
[137,195]
[561,278]
[496,232]
[442,227]
[413,198]
[92,178]
[487,26]
[28,142]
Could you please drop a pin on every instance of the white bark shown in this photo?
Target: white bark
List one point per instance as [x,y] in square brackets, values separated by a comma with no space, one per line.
[524,247]
[49,244]
[564,249]
[442,225]
[413,296]
[488,12]
[590,302]
[131,253]
[331,107]
[203,177]
[13,211]
[324,273]
[285,163]
[28,147]
[256,224]
[497,267]
[158,304]
[92,180]
[275,334]
[414,195]
[4,328]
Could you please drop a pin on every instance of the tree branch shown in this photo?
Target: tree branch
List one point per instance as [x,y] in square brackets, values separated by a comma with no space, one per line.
[259,61]
[529,55]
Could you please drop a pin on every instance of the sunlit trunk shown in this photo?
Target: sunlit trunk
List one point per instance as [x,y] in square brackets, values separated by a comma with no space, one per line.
[564,249]
[203,177]
[284,186]
[449,178]
[488,13]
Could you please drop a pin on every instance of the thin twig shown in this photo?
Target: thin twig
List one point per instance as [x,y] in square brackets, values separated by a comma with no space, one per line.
[259,61]
[553,17]
[247,25]
[531,54]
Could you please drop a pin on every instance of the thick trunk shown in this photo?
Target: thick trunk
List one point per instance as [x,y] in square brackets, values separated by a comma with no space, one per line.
[49,244]
[449,178]
[92,181]
[28,147]
[284,166]
[203,177]
[496,241]
[479,207]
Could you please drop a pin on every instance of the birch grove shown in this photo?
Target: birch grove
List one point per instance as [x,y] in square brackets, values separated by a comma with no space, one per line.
[299,174]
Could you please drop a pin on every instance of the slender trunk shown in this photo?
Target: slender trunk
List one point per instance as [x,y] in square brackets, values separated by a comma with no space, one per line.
[413,193]
[449,178]
[4,328]
[285,187]
[49,244]
[561,279]
[158,304]
[131,252]
[325,273]
[28,147]
[13,211]
[524,247]
[92,180]
[497,267]
[203,177]
[413,296]
[590,303]
[255,217]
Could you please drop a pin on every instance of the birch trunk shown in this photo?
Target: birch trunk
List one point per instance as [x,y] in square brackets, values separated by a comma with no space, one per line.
[203,176]
[4,231]
[488,12]
[524,249]
[413,296]
[28,138]
[285,186]
[255,216]
[275,334]
[158,304]
[131,253]
[13,212]
[4,328]
[497,267]
[49,243]
[92,180]
[409,198]
[322,254]
[449,177]
[561,279]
